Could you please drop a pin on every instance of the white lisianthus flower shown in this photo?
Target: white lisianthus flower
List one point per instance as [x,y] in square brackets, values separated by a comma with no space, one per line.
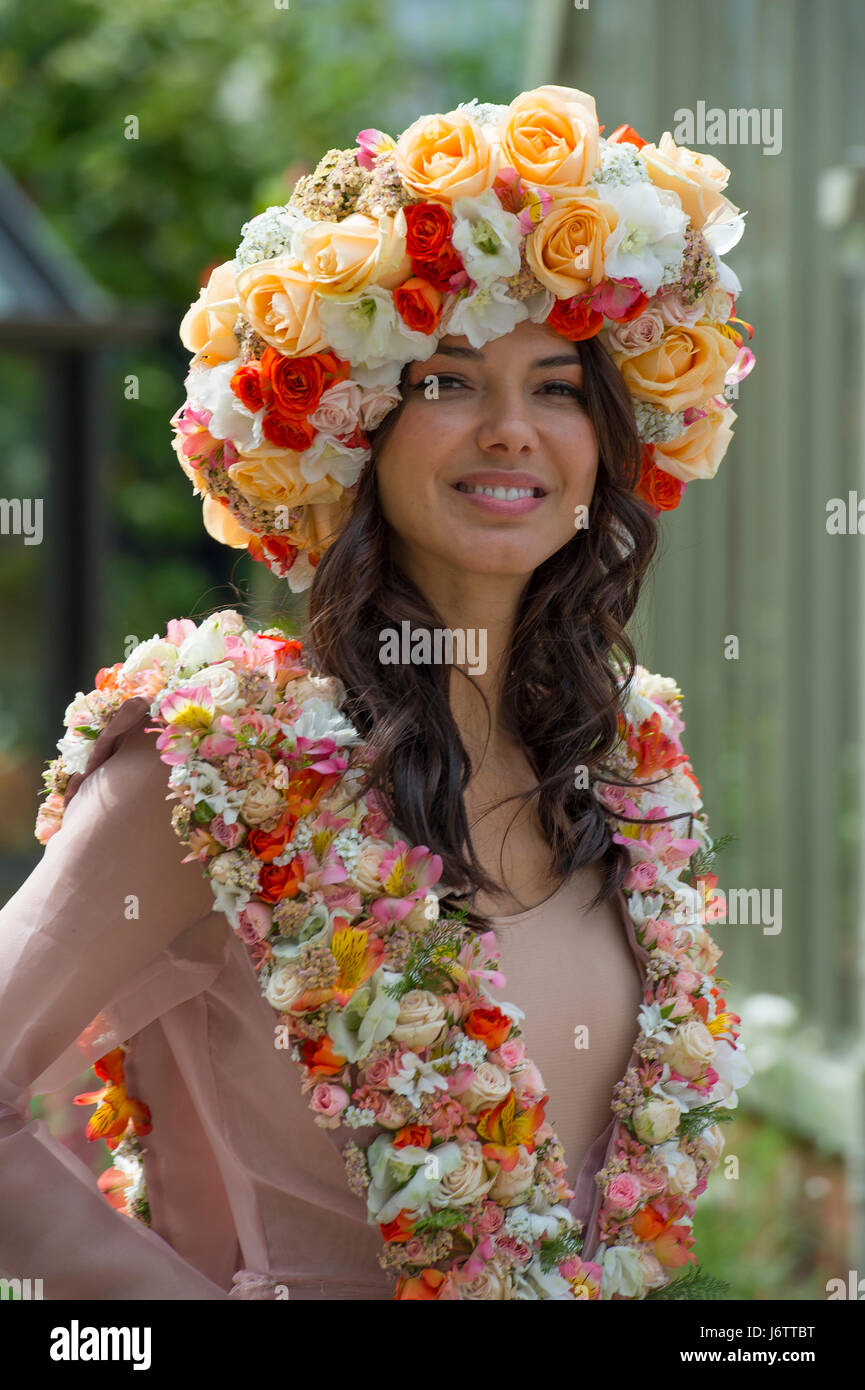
[488,312]
[648,243]
[155,651]
[74,750]
[370,333]
[209,388]
[622,1271]
[404,1178]
[202,648]
[653,1023]
[328,455]
[417,1078]
[320,719]
[230,898]
[487,237]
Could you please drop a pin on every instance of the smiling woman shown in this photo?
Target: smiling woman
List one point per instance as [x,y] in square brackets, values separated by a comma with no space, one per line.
[401,400]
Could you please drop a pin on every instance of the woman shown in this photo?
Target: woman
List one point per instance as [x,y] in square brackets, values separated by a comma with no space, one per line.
[417,327]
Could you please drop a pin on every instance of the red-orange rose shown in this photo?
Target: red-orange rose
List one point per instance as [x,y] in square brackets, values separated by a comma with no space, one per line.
[575,319]
[280,880]
[287,431]
[659,489]
[419,304]
[247,385]
[424,1286]
[439,269]
[321,1058]
[401,1228]
[428,230]
[420,1136]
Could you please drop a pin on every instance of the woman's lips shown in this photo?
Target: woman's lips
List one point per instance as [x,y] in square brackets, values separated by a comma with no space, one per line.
[499,506]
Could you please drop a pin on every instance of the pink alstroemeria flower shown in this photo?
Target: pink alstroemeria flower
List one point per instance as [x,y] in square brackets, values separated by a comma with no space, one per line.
[406,875]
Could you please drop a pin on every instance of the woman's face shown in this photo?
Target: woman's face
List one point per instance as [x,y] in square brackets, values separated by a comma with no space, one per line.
[508,415]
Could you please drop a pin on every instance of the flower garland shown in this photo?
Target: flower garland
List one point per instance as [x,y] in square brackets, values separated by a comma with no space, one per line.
[381,998]
[469,223]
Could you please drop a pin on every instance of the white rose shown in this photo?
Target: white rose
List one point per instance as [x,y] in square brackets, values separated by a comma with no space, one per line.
[490,1085]
[377,402]
[508,1185]
[421,1022]
[222,682]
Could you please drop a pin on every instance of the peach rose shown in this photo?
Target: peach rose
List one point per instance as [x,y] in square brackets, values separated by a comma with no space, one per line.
[421,1022]
[684,1178]
[261,803]
[491,1284]
[49,817]
[697,452]
[710,1143]
[274,477]
[551,138]
[441,158]
[508,1185]
[207,327]
[283,988]
[688,365]
[653,1274]
[221,523]
[366,872]
[566,249]
[490,1085]
[690,1050]
[342,258]
[641,333]
[696,178]
[278,299]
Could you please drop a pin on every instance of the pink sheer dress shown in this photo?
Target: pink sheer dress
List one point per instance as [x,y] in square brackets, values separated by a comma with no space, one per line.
[241,1181]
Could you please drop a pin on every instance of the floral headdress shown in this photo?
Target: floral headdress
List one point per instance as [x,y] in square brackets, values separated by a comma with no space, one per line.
[467,224]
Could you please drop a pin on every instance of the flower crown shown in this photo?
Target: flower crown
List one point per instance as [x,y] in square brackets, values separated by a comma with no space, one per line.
[467,224]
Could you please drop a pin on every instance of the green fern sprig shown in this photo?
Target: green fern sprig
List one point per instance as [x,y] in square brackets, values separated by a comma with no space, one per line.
[693,1285]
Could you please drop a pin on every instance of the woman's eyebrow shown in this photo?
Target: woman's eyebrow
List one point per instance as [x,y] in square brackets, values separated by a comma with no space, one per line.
[561,360]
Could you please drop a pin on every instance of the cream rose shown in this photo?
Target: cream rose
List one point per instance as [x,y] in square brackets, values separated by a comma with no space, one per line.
[690,1050]
[421,1021]
[566,249]
[506,1186]
[280,303]
[466,1183]
[343,258]
[656,1120]
[678,312]
[283,988]
[697,452]
[710,1142]
[261,802]
[697,179]
[221,680]
[441,158]
[490,1085]
[550,136]
[207,327]
[688,365]
[684,1177]
[366,872]
[491,1284]
[338,408]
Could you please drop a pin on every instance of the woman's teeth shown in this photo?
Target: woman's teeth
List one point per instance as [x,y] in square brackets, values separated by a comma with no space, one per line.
[507,494]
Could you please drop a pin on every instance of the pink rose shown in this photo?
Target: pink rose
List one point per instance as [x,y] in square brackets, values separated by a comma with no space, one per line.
[379,1072]
[328,1099]
[490,1219]
[376,403]
[254,922]
[528,1082]
[510,1054]
[49,817]
[337,409]
[228,835]
[675,310]
[653,1184]
[641,876]
[612,797]
[624,1195]
[638,335]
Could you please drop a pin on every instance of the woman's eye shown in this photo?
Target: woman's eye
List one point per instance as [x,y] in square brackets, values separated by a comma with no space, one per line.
[567,387]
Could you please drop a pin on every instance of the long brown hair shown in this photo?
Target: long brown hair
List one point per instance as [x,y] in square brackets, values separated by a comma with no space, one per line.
[560,697]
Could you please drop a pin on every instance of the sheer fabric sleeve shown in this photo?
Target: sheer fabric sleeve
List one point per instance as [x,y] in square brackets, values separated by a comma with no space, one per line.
[80,972]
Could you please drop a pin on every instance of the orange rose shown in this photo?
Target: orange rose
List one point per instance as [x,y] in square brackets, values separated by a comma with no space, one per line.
[699,449]
[566,249]
[696,178]
[221,523]
[279,301]
[656,487]
[419,304]
[273,476]
[441,158]
[207,327]
[280,880]
[687,365]
[551,138]
[400,1229]
[488,1024]
[343,258]
[575,319]
[267,845]
[320,1057]
[425,1285]
[420,1136]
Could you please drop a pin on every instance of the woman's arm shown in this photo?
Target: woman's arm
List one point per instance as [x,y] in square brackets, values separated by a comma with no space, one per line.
[108,896]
